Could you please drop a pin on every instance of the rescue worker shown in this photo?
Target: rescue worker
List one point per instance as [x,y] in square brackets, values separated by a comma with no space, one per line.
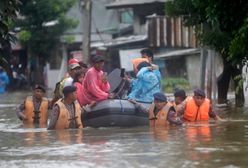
[198,108]
[66,111]
[180,101]
[180,96]
[136,62]
[34,110]
[148,54]
[161,112]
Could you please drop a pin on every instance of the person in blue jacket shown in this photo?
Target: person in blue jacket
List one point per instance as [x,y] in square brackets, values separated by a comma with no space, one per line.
[4,80]
[145,85]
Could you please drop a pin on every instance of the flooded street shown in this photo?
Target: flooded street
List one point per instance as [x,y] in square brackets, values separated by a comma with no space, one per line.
[199,145]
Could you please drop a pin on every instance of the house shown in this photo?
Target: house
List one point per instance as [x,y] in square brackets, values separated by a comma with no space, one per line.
[104,26]
[175,46]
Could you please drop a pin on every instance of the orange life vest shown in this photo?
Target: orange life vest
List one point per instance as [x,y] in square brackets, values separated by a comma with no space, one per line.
[136,62]
[197,113]
[64,116]
[160,120]
[32,115]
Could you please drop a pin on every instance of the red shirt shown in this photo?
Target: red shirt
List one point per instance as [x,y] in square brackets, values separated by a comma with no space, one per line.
[93,87]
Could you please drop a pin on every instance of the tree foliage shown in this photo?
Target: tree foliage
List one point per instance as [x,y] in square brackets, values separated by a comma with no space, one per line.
[224,28]
[224,21]
[8,13]
[42,22]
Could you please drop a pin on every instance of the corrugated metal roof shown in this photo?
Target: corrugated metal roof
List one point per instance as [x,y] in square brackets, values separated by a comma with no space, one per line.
[131,3]
[174,53]
[120,41]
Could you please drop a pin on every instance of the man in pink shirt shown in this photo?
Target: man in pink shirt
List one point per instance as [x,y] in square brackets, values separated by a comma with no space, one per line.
[95,84]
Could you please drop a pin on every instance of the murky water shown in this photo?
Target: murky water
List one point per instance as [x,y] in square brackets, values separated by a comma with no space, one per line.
[199,145]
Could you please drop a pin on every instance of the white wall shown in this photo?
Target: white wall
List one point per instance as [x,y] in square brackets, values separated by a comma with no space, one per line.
[193,66]
[52,77]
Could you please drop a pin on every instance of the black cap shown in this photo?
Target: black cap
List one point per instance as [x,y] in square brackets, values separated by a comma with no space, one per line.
[160,96]
[69,89]
[199,92]
[143,64]
[40,87]
[180,93]
[97,59]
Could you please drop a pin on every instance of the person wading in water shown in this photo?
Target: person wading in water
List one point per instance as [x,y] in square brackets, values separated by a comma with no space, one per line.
[34,110]
[66,111]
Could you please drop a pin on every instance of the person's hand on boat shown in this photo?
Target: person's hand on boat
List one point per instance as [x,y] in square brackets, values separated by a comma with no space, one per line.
[111,95]
[93,103]
[105,77]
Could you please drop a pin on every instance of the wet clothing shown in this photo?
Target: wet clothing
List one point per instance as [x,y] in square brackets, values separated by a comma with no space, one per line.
[65,116]
[36,111]
[94,89]
[156,71]
[162,117]
[191,112]
[146,84]
[198,113]
[4,81]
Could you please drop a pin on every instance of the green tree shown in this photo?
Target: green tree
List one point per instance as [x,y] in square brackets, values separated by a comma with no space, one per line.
[42,23]
[8,14]
[224,28]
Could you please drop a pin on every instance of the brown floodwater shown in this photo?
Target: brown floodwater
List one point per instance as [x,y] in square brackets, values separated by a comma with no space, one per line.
[195,145]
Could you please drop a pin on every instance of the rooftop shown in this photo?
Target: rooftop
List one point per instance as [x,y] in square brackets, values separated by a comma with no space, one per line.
[131,3]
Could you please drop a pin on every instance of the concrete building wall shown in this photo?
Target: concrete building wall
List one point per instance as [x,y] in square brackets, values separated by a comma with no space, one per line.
[102,18]
[193,70]
[193,66]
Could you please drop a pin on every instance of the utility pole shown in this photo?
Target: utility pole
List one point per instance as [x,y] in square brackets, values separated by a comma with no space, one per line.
[86,18]
[203,68]
[214,80]
[210,72]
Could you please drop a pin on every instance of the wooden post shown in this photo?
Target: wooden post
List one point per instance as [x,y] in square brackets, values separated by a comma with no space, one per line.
[86,18]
